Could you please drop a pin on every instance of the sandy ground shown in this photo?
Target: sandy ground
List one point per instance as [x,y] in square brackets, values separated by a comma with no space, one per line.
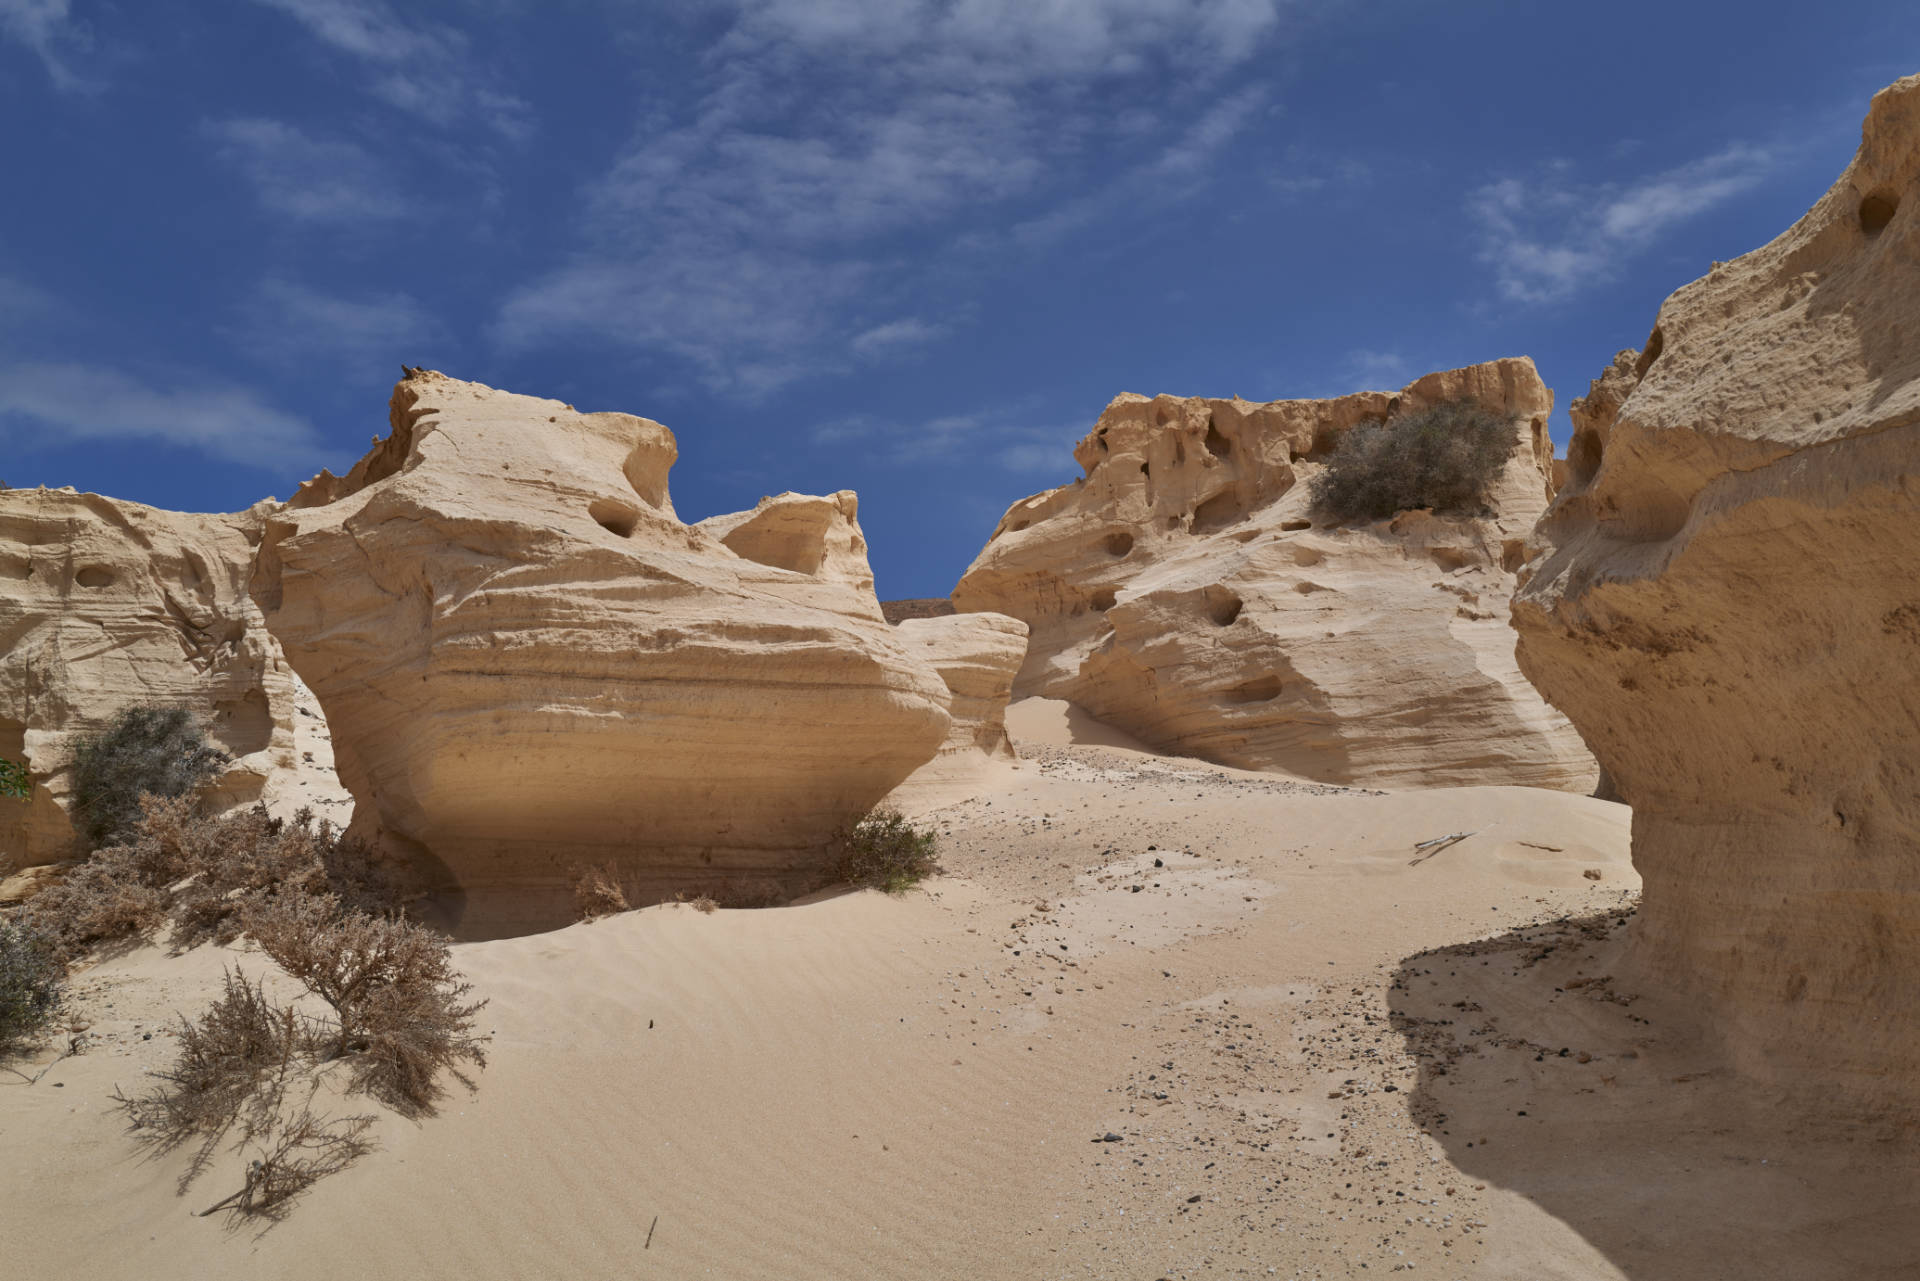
[1157,1020]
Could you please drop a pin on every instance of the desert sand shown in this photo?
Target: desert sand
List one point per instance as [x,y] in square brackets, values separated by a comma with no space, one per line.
[1320,1051]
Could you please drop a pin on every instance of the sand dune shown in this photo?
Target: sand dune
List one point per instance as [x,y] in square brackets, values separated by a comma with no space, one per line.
[1253,983]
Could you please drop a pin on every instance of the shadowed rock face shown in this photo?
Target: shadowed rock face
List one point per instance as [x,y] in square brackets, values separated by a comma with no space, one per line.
[529,662]
[1185,591]
[1730,613]
[105,605]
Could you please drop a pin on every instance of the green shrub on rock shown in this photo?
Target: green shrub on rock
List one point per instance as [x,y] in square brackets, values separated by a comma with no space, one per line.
[1442,457]
[144,751]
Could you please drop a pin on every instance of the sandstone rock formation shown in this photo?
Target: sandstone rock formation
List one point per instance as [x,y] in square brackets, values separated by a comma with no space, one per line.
[977,655]
[1185,591]
[1730,614]
[529,663]
[106,604]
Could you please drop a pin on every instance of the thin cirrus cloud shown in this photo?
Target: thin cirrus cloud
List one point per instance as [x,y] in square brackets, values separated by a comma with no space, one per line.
[1006,436]
[58,402]
[286,321]
[48,29]
[307,179]
[1551,236]
[840,155]
[422,67]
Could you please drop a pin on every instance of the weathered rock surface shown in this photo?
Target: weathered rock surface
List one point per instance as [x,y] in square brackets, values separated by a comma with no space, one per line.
[1185,592]
[106,604]
[529,663]
[1729,611]
[977,655]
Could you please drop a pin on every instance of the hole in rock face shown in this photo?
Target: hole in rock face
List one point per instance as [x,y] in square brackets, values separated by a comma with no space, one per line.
[1101,440]
[1103,599]
[1246,536]
[1218,512]
[1119,543]
[1293,526]
[1173,522]
[1217,445]
[1876,212]
[1179,452]
[1393,406]
[18,570]
[1019,525]
[94,576]
[1222,606]
[1146,469]
[1656,343]
[1261,689]
[1303,555]
[615,518]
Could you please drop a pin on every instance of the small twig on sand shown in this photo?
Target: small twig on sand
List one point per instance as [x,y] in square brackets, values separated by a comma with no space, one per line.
[75,1045]
[650,1228]
[1437,844]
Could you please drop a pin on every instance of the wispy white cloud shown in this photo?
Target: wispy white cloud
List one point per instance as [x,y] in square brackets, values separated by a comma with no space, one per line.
[909,331]
[1007,436]
[417,65]
[313,180]
[286,321]
[48,28]
[1548,237]
[770,229]
[69,401]
[22,303]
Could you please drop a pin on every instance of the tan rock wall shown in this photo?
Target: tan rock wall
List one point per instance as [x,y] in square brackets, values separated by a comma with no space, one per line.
[1185,591]
[529,662]
[1729,610]
[107,604]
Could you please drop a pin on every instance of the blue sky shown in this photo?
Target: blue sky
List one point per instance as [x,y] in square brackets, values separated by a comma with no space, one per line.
[909,247]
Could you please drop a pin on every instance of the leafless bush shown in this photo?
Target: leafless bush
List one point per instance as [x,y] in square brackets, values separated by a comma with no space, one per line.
[231,1074]
[597,892]
[299,1152]
[399,1005]
[1443,457]
[202,873]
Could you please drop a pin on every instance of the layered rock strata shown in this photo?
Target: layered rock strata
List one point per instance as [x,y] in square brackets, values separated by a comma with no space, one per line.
[105,605]
[977,655]
[1186,590]
[529,663]
[1729,612]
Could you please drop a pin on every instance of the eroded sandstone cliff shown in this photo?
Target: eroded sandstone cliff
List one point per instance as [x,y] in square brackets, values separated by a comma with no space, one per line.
[1187,591]
[110,604]
[1730,613]
[529,663]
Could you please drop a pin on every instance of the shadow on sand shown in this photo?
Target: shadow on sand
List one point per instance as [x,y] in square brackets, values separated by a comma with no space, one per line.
[1542,1075]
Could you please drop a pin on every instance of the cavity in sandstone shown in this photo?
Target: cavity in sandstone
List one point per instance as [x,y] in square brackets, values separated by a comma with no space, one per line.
[1186,590]
[1730,614]
[529,663]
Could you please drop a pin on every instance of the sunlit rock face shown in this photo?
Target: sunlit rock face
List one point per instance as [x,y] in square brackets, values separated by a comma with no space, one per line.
[105,605]
[1187,591]
[1729,611]
[530,663]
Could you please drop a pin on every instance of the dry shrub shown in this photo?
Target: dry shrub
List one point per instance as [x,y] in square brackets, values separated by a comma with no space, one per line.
[597,892]
[32,984]
[398,1003]
[232,1070]
[1442,457]
[143,751]
[203,874]
[885,852]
